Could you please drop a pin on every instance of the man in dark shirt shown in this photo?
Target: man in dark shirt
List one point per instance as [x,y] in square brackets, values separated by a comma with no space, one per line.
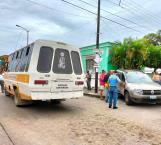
[88,77]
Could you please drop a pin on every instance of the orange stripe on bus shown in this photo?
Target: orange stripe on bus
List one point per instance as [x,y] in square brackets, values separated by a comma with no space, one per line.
[24,78]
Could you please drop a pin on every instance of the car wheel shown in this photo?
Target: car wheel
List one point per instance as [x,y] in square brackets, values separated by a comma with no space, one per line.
[128,99]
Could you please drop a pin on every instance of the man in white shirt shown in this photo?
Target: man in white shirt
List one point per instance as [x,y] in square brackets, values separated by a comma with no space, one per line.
[2,83]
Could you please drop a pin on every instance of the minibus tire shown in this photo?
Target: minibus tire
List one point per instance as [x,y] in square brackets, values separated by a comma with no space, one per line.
[18,102]
[6,93]
[56,101]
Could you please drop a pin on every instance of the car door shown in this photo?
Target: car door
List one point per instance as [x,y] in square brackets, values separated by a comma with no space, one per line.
[121,85]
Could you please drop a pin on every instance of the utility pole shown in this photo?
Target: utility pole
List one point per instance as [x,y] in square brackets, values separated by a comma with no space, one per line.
[120,3]
[27,32]
[97,44]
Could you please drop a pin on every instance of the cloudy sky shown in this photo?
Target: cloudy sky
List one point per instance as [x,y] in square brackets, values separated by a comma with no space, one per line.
[57,20]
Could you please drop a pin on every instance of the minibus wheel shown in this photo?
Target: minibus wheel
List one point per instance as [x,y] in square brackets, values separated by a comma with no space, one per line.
[6,93]
[56,101]
[18,102]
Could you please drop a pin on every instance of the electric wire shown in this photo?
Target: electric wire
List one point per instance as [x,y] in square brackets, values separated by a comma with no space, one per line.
[144,13]
[100,16]
[134,12]
[112,13]
[56,10]
[138,6]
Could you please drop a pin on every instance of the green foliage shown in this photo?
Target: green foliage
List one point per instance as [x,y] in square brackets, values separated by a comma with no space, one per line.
[134,54]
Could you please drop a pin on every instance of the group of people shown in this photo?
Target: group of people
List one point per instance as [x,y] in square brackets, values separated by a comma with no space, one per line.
[108,86]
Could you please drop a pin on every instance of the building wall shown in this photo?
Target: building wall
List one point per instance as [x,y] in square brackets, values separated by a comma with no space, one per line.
[88,53]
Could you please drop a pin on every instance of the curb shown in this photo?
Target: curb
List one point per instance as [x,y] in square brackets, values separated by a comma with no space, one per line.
[92,95]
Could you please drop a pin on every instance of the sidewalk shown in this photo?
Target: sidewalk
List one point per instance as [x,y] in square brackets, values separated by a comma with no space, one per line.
[91,93]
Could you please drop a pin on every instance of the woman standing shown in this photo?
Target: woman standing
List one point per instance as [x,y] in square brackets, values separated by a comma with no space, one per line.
[101,81]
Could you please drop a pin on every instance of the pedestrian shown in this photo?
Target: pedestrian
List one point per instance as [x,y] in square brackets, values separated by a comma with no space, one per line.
[113,93]
[101,81]
[107,86]
[88,80]
[2,83]
[156,77]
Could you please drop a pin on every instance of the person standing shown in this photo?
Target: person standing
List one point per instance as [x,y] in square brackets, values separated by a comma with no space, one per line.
[88,77]
[101,81]
[156,77]
[113,93]
[107,86]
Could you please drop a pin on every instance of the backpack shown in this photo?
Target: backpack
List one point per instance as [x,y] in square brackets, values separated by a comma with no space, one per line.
[105,78]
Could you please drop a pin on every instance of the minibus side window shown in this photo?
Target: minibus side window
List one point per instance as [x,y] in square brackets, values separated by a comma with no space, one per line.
[45,59]
[62,62]
[28,57]
[22,61]
[10,63]
[76,62]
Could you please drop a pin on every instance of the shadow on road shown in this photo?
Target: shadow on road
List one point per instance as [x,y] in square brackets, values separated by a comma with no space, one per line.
[48,107]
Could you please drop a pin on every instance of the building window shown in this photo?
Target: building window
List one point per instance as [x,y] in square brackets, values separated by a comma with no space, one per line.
[90,65]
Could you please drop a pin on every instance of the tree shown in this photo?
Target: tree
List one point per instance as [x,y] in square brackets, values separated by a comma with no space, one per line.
[153,57]
[118,55]
[154,38]
[135,54]
[131,54]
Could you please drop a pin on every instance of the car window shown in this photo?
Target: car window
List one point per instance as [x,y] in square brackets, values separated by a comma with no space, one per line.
[121,76]
[138,77]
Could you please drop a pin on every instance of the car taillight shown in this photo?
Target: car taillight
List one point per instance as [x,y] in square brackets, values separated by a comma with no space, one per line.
[40,82]
[79,83]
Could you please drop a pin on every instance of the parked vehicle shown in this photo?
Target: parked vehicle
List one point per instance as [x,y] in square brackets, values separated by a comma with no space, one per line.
[138,87]
[44,70]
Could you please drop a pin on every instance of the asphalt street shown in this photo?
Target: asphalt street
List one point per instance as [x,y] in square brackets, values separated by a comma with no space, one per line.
[83,121]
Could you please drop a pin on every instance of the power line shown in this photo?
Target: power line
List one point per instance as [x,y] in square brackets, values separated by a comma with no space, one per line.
[54,9]
[134,11]
[131,11]
[147,12]
[101,16]
[113,13]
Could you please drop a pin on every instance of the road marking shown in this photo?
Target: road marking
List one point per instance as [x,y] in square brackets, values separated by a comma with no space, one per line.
[7,134]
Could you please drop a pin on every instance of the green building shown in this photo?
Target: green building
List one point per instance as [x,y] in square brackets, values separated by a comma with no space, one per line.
[88,56]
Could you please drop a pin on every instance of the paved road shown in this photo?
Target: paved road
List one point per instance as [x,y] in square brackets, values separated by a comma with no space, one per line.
[84,121]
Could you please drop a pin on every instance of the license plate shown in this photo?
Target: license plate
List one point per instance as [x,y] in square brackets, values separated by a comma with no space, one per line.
[153,97]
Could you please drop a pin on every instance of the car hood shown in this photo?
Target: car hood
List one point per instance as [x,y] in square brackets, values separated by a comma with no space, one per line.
[144,86]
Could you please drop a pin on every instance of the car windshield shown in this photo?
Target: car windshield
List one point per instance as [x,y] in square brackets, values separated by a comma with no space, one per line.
[138,77]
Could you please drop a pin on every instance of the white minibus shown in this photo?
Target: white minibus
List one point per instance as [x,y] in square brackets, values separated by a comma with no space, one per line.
[44,70]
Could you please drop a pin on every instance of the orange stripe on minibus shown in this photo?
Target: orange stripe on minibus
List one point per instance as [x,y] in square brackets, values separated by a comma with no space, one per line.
[24,78]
